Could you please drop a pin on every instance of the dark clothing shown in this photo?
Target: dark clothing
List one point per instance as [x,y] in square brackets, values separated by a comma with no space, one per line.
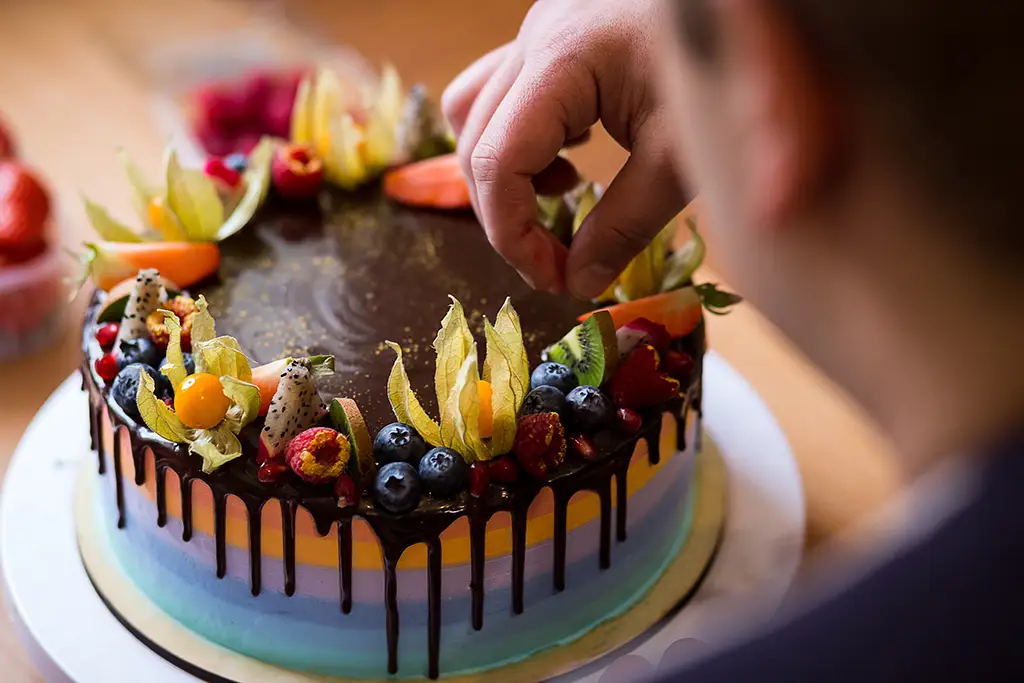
[949,607]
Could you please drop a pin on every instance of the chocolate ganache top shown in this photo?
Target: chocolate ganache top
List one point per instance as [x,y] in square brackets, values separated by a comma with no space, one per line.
[343,277]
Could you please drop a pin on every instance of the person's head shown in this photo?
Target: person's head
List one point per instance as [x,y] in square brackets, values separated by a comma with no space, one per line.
[859,166]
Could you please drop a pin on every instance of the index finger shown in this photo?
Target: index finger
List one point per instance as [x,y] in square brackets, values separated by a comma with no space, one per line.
[524,136]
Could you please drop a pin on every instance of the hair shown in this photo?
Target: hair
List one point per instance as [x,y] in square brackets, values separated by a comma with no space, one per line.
[942,78]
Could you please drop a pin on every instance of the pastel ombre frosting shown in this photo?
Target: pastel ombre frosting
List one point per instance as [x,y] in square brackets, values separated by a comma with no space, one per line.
[308,630]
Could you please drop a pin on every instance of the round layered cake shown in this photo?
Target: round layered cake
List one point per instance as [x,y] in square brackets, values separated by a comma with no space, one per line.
[341,437]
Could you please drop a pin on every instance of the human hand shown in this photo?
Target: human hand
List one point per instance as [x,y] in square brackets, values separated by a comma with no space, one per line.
[574,63]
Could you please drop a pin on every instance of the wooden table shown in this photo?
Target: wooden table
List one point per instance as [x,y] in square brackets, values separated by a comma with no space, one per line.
[71,97]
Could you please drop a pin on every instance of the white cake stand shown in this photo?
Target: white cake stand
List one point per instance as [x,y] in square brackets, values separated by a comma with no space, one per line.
[71,636]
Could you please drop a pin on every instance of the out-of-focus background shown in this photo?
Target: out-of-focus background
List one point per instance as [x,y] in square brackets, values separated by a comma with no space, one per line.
[79,78]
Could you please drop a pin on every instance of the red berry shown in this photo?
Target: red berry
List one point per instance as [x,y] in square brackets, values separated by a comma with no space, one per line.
[628,420]
[214,140]
[583,446]
[271,471]
[107,367]
[504,469]
[220,106]
[277,113]
[227,178]
[169,401]
[245,143]
[479,479]
[346,490]
[297,172]
[638,383]
[540,443]
[107,334]
[255,93]
[678,365]
[7,150]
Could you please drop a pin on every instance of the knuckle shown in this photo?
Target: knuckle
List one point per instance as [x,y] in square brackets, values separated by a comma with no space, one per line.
[485,162]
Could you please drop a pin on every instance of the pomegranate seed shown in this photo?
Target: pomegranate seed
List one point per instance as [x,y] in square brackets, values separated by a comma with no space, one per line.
[346,490]
[628,420]
[479,479]
[169,402]
[678,365]
[218,170]
[271,471]
[583,446]
[505,470]
[107,366]
[106,335]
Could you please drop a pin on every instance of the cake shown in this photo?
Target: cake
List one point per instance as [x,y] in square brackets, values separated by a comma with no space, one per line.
[317,534]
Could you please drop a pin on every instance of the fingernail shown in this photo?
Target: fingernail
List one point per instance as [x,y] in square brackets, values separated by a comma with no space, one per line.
[590,280]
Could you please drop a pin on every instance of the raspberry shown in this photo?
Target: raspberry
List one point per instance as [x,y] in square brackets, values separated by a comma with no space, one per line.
[226,178]
[297,172]
[540,443]
[318,455]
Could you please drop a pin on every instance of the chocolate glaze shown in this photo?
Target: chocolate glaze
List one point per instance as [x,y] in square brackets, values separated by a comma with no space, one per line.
[383,254]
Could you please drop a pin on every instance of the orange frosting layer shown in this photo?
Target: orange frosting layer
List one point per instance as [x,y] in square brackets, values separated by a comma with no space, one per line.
[316,550]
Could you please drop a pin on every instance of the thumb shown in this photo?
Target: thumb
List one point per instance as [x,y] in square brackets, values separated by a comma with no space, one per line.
[642,199]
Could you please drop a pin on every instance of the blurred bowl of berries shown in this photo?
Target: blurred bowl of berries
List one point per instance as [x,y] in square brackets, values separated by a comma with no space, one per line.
[31,270]
[228,116]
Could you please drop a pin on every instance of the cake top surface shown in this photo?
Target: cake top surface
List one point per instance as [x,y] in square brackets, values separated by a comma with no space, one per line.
[344,277]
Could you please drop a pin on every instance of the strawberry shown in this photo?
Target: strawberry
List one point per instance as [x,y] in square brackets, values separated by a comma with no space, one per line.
[540,443]
[22,238]
[20,188]
[638,383]
[7,150]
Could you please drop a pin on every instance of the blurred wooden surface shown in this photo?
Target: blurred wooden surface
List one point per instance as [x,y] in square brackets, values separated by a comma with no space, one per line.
[72,92]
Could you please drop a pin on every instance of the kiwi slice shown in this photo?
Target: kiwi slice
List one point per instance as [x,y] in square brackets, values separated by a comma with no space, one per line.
[346,419]
[590,349]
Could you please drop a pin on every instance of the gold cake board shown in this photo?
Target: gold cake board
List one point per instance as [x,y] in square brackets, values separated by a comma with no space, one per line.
[216,664]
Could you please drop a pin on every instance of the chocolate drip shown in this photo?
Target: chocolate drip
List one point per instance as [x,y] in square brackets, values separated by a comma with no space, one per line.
[118,479]
[345,564]
[653,440]
[220,532]
[477,555]
[254,511]
[288,539]
[433,607]
[186,508]
[621,498]
[161,495]
[391,611]
[395,533]
[560,532]
[518,555]
[604,493]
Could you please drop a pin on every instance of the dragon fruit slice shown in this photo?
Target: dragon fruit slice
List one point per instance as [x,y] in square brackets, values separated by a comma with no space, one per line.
[296,406]
[147,295]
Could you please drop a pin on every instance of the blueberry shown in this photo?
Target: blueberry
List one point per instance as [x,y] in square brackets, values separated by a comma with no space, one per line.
[555,375]
[589,409]
[443,472]
[398,443]
[126,387]
[237,162]
[139,350]
[397,488]
[543,399]
[190,365]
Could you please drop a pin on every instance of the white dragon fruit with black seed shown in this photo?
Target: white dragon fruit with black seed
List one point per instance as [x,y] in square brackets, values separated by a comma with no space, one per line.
[147,295]
[296,406]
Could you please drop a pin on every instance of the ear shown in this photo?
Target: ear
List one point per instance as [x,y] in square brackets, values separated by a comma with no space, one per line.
[785,106]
